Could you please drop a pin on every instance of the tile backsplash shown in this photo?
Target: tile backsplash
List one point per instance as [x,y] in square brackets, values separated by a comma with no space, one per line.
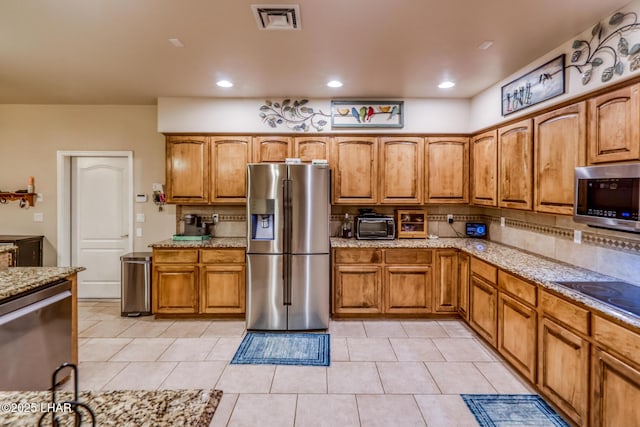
[606,251]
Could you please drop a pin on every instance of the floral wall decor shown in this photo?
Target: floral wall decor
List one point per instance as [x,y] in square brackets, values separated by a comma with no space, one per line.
[295,115]
[608,47]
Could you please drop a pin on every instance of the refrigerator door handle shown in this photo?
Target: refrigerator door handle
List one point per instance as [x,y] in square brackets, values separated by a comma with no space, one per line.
[286,292]
[287,202]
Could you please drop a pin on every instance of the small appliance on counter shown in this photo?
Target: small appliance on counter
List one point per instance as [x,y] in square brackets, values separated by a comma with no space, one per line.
[194,226]
[374,226]
[476,229]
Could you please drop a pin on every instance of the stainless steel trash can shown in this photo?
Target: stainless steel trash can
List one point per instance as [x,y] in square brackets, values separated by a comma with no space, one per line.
[136,284]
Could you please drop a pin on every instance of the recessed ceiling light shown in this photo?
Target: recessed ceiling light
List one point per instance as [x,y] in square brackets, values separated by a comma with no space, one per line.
[225,83]
[334,83]
[446,85]
[485,45]
[176,42]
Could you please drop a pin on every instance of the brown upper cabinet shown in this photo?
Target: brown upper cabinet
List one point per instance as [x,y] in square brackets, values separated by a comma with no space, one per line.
[272,149]
[614,126]
[401,170]
[559,142]
[187,169]
[484,169]
[447,166]
[310,148]
[515,166]
[229,158]
[355,168]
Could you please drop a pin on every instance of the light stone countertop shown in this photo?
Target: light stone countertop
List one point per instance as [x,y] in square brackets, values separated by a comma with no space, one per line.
[214,242]
[7,248]
[18,280]
[116,408]
[535,268]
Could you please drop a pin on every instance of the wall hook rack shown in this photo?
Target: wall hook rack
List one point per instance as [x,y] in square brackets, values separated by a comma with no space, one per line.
[26,199]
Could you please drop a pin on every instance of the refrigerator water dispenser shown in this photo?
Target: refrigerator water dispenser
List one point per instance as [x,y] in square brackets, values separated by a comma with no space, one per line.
[262,215]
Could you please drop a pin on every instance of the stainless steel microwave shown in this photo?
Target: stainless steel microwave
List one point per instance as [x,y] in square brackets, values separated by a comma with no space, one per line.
[608,196]
[375,227]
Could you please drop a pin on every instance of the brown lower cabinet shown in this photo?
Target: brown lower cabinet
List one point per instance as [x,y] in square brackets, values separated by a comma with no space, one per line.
[198,282]
[397,281]
[483,300]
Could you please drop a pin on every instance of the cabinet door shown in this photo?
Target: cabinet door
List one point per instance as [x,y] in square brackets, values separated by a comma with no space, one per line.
[355,170]
[357,289]
[563,369]
[447,170]
[229,159]
[446,282]
[615,391]
[272,149]
[483,316]
[560,139]
[614,122]
[407,290]
[401,170]
[222,289]
[515,167]
[187,169]
[484,169]
[175,289]
[464,279]
[309,148]
[517,335]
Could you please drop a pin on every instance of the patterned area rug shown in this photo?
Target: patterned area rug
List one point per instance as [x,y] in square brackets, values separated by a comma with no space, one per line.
[502,410]
[283,349]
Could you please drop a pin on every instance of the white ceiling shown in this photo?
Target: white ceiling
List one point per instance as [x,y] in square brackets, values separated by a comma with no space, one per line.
[117,51]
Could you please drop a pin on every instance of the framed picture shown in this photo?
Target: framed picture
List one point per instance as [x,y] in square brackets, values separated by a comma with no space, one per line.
[367,114]
[545,82]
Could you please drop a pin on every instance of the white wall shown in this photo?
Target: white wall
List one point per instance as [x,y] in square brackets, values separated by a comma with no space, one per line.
[241,116]
[485,108]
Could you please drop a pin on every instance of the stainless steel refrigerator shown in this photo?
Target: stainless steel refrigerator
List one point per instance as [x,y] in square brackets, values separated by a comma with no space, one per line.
[288,246]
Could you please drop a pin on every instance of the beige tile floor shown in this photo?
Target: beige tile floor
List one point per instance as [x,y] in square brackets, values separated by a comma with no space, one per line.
[382,373]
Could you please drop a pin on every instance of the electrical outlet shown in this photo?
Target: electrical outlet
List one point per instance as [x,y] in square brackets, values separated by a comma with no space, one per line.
[450,218]
[214,218]
[577,236]
[38,217]
[502,222]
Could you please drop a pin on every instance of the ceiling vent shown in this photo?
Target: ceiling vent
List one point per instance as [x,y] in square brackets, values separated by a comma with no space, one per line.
[277,17]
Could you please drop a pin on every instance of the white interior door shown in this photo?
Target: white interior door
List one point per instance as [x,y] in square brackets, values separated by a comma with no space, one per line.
[99,223]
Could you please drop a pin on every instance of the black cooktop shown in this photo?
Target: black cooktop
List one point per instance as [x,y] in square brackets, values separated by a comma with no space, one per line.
[621,295]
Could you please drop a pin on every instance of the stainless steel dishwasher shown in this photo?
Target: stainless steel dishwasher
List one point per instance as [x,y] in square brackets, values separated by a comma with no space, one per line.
[35,337]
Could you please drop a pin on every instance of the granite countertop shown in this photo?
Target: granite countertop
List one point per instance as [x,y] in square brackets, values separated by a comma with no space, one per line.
[115,408]
[215,242]
[17,280]
[535,268]
[7,248]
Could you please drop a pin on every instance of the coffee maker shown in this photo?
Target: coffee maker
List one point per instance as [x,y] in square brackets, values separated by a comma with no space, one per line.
[194,226]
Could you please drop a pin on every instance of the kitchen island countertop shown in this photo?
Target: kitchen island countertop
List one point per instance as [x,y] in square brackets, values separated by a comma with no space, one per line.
[533,267]
[18,280]
[117,407]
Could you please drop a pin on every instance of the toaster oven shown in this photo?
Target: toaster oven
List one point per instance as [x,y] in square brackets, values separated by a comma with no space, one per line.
[372,227]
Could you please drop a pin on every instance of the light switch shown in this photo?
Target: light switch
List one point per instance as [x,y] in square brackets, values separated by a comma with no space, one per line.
[138,231]
[39,197]
[38,217]
[577,236]
[140,217]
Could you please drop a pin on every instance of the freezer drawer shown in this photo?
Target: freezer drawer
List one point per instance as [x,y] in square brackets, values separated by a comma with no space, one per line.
[309,307]
[266,292]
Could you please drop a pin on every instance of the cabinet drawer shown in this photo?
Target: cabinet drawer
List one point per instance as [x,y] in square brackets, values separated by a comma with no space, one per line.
[484,270]
[518,288]
[175,256]
[358,256]
[408,256]
[221,256]
[619,339]
[569,314]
